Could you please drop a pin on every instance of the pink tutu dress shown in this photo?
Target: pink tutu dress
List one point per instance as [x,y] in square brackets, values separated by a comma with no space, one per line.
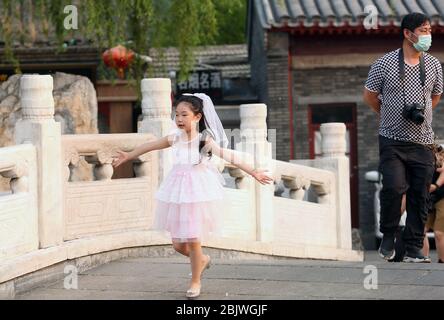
[189,201]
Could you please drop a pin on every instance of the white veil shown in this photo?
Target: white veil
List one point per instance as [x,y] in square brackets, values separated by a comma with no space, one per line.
[213,123]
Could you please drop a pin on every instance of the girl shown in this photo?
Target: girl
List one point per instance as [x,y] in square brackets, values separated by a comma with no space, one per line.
[189,199]
[435,217]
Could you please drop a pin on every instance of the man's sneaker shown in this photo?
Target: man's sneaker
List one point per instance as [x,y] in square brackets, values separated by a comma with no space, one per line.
[387,247]
[416,256]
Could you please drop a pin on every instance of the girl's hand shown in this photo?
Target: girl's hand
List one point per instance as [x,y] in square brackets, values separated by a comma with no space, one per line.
[261,177]
[120,158]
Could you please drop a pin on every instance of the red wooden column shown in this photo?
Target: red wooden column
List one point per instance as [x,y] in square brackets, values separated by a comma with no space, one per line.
[116,102]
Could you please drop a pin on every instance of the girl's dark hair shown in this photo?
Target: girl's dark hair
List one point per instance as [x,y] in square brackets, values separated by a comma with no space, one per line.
[412,21]
[196,106]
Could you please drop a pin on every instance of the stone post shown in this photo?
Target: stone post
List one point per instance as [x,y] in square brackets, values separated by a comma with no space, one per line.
[253,133]
[156,109]
[39,128]
[334,148]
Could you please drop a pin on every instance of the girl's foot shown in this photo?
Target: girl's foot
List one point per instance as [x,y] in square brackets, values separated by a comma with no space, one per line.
[193,291]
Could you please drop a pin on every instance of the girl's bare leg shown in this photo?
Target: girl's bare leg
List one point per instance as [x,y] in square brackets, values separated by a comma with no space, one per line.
[439,240]
[198,261]
[182,248]
[426,245]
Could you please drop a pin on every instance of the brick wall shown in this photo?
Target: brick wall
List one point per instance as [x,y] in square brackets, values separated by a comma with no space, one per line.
[278,98]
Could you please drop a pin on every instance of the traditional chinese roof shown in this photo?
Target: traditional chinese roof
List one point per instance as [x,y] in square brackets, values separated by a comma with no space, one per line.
[231,60]
[340,13]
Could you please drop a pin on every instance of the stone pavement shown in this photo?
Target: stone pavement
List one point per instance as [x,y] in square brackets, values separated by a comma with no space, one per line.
[167,278]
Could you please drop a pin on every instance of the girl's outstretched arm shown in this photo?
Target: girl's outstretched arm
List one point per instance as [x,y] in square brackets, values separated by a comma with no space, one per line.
[231,157]
[159,144]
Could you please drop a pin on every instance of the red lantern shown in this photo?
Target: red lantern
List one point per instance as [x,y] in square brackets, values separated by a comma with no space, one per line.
[119,58]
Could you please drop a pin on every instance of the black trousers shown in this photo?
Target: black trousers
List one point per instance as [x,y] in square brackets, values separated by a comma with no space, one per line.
[406,168]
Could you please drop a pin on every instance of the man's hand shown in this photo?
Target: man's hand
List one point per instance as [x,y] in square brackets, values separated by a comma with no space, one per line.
[261,177]
[432,188]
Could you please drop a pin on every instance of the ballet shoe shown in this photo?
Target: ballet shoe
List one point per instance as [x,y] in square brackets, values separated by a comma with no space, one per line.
[193,292]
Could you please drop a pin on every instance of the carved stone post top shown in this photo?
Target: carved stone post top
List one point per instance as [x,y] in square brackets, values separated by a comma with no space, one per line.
[255,110]
[36,96]
[36,82]
[333,128]
[334,142]
[156,98]
[254,122]
[156,84]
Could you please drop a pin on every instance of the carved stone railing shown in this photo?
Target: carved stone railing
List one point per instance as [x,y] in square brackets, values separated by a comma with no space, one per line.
[104,205]
[99,151]
[50,217]
[299,179]
[18,210]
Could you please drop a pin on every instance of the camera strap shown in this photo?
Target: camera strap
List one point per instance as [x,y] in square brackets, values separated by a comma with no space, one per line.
[422,73]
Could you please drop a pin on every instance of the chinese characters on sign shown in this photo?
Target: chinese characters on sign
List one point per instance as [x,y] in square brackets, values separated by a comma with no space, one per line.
[208,82]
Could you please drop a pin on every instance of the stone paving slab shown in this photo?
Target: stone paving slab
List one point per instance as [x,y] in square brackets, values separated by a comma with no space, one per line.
[155,278]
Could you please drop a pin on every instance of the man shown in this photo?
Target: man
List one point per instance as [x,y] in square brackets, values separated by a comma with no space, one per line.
[403,87]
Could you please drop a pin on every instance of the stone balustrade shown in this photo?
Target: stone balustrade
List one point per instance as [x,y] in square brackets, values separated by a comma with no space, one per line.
[99,150]
[18,209]
[59,218]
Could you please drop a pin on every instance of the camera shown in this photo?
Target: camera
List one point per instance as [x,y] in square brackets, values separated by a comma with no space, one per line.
[414,112]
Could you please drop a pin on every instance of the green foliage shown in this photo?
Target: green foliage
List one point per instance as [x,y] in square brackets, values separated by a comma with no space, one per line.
[231,16]
[136,24]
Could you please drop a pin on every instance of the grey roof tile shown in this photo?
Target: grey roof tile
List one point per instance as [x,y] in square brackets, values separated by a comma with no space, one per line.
[310,9]
[428,8]
[340,8]
[412,6]
[324,13]
[384,9]
[400,9]
[232,60]
[295,9]
[439,5]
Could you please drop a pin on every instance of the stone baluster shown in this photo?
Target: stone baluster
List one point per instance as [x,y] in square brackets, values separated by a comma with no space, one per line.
[143,166]
[157,109]
[72,160]
[18,173]
[334,147]
[102,161]
[298,186]
[253,133]
[39,128]
[239,178]
[324,192]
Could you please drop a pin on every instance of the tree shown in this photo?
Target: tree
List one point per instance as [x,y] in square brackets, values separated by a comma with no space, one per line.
[139,24]
[231,18]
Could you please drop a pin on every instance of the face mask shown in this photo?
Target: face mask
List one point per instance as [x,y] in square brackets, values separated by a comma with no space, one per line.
[424,43]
